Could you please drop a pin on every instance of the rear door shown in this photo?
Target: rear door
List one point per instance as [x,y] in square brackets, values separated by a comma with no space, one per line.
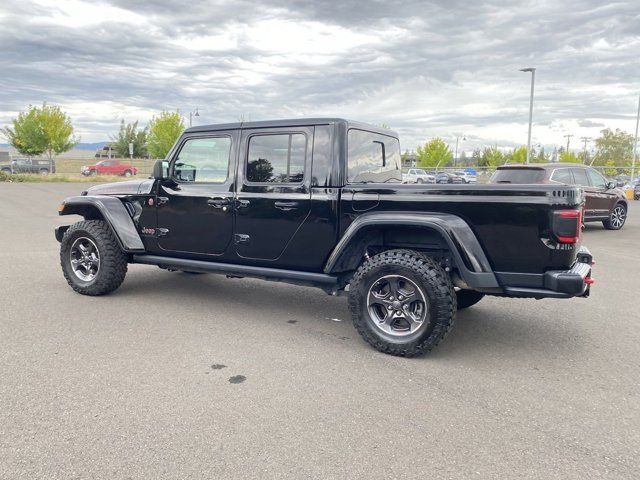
[580,178]
[273,190]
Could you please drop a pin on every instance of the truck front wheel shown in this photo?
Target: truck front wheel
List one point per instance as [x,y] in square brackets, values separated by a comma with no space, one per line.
[91,259]
[402,302]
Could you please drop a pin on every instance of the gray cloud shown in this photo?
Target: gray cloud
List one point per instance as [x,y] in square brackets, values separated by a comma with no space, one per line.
[425,68]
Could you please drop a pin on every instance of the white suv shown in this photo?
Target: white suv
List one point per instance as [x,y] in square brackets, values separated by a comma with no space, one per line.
[467,177]
[417,175]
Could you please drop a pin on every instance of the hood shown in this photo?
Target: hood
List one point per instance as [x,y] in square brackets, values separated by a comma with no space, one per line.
[131,187]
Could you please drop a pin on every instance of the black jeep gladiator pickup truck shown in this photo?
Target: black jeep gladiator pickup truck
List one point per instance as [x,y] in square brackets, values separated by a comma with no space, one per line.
[321,202]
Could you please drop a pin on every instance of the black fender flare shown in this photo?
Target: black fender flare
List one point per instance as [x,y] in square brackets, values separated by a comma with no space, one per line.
[112,211]
[471,261]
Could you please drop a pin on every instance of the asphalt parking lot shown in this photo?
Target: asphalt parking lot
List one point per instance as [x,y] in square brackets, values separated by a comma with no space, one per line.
[179,376]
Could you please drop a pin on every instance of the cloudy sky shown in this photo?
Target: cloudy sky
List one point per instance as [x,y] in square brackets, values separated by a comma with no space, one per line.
[439,68]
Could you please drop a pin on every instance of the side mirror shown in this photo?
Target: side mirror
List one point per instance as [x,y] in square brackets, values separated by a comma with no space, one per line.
[611,185]
[161,170]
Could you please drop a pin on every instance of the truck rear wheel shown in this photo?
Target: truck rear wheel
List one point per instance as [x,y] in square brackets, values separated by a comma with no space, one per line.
[402,302]
[91,259]
[468,298]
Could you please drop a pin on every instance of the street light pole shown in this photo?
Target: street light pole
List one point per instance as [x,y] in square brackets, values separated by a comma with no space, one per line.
[455,158]
[533,81]
[191,115]
[635,144]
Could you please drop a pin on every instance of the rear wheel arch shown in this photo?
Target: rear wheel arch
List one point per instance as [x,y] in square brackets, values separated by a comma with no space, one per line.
[441,236]
[373,239]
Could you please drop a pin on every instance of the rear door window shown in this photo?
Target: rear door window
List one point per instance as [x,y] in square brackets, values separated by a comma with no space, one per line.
[562,175]
[580,177]
[518,175]
[278,158]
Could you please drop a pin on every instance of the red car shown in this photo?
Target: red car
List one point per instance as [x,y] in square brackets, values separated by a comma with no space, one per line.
[109,167]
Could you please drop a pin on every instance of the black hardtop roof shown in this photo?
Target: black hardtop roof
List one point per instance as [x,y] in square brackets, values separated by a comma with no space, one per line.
[292,122]
[542,166]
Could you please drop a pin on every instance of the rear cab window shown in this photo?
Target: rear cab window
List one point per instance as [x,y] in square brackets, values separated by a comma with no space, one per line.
[518,175]
[372,157]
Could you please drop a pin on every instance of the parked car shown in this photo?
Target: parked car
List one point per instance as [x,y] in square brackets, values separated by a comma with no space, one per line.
[467,177]
[320,202]
[417,175]
[636,191]
[110,167]
[604,202]
[29,165]
[444,177]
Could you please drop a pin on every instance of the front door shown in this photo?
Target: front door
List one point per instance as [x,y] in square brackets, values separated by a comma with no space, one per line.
[273,193]
[603,199]
[195,207]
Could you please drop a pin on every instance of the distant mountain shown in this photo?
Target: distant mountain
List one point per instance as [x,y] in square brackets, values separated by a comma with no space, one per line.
[80,146]
[90,146]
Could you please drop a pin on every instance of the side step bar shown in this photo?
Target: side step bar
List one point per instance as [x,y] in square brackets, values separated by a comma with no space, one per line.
[328,283]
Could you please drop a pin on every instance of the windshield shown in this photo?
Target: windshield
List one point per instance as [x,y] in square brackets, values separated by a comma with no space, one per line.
[421,172]
[517,175]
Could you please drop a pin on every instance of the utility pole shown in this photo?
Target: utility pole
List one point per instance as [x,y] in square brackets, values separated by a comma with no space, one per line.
[635,144]
[585,140]
[533,81]
[568,137]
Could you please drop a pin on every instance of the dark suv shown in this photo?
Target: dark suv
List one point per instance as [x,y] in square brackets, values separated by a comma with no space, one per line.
[321,202]
[603,201]
[29,165]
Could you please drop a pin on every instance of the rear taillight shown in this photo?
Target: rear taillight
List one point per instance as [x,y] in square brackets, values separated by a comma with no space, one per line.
[567,225]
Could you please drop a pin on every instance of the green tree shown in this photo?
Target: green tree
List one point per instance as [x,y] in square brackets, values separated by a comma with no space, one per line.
[164,130]
[614,148]
[129,133]
[476,157]
[541,156]
[569,157]
[518,155]
[491,157]
[433,153]
[41,130]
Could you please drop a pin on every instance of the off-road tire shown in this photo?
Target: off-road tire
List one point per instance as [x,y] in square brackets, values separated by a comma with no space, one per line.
[113,261]
[468,298]
[433,282]
[610,223]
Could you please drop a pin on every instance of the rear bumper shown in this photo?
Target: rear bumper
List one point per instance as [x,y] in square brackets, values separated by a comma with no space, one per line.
[575,282]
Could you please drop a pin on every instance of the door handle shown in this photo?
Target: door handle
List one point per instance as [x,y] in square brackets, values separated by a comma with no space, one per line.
[218,202]
[242,203]
[286,206]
